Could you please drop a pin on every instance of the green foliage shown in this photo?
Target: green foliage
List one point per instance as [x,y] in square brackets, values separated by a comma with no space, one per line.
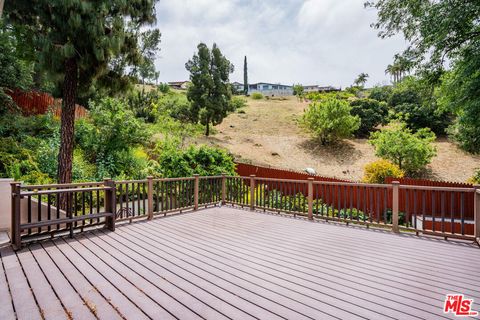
[361,79]
[15,72]
[163,88]
[298,90]
[320,96]
[149,42]
[440,31]
[410,151]
[256,96]
[371,113]
[381,94]
[414,102]
[210,91]
[238,103]
[475,179]
[109,135]
[203,160]
[330,120]
[177,106]
[377,171]
[143,104]
[460,94]
[80,45]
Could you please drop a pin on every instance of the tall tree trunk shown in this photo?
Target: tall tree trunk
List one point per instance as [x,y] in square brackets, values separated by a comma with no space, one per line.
[207,129]
[65,155]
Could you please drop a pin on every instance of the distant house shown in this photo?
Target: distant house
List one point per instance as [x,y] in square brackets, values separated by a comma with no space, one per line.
[180,85]
[328,89]
[270,89]
[310,88]
[316,88]
[238,87]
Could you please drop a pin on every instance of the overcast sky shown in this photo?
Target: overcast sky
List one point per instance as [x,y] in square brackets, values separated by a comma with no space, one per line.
[325,42]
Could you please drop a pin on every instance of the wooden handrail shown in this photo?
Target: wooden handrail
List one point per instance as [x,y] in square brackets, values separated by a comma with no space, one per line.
[56,191]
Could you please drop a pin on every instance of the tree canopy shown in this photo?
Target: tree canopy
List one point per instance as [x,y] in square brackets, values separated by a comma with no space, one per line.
[210,91]
[75,41]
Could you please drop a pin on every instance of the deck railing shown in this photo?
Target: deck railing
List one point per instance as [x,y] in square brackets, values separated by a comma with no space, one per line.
[49,210]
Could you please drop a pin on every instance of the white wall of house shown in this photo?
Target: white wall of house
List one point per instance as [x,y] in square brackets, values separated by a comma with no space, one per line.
[271,89]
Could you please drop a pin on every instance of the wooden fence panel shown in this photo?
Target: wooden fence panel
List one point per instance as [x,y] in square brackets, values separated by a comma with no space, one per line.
[35,103]
[453,204]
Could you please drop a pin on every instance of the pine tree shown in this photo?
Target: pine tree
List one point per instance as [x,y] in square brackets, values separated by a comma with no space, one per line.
[75,42]
[210,92]
[245,77]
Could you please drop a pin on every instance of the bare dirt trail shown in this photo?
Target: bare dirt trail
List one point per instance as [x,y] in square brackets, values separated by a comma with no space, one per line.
[267,134]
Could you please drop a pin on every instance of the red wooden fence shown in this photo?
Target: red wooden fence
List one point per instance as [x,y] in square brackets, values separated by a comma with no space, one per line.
[246,170]
[34,102]
[375,200]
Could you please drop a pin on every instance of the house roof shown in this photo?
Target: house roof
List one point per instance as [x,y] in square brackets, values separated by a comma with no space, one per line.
[272,84]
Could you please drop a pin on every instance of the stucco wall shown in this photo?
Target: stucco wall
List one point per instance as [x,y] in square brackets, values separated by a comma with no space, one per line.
[5,204]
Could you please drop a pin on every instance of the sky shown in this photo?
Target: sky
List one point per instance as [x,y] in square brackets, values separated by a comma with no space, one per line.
[323,42]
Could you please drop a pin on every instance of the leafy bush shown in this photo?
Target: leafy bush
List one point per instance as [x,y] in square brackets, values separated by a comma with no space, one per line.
[475,179]
[413,102]
[203,160]
[320,96]
[381,93]
[108,136]
[410,151]
[460,95]
[377,171]
[330,120]
[163,88]
[257,96]
[19,127]
[237,103]
[371,113]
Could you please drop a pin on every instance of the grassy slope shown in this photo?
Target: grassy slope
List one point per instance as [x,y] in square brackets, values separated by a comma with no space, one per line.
[268,134]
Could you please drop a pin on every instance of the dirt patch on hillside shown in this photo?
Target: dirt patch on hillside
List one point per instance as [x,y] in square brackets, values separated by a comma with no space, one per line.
[267,134]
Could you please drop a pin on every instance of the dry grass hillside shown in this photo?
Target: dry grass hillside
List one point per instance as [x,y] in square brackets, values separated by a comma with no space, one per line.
[266,133]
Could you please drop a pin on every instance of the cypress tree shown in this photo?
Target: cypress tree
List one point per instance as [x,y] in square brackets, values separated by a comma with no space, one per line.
[245,76]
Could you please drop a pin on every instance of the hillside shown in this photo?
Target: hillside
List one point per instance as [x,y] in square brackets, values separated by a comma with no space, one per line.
[267,134]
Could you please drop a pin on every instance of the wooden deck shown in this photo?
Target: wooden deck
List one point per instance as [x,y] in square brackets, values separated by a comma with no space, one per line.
[224,263]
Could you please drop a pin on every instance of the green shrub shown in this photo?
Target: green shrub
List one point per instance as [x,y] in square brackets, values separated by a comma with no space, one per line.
[414,104]
[381,94]
[237,103]
[475,179]
[203,160]
[330,120]
[256,96]
[320,96]
[371,112]
[410,151]
[163,87]
[377,171]
[108,136]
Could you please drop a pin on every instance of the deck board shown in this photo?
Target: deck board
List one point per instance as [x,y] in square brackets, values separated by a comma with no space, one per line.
[229,263]
[46,298]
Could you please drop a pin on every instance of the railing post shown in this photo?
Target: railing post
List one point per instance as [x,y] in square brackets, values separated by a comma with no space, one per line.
[310,198]
[476,208]
[195,191]
[252,192]
[150,197]
[395,206]
[224,188]
[16,236]
[110,203]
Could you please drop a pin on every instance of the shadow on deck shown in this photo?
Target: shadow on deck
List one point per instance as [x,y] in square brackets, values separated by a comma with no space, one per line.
[228,263]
